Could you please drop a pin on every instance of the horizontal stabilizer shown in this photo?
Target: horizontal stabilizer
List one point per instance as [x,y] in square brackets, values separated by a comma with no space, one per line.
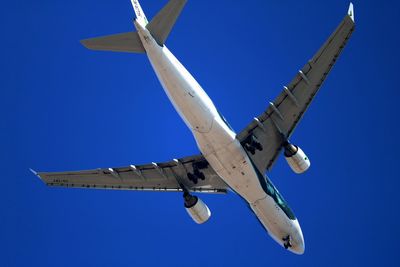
[161,25]
[123,42]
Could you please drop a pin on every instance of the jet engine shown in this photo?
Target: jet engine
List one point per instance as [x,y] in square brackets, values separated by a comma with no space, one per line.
[196,208]
[296,158]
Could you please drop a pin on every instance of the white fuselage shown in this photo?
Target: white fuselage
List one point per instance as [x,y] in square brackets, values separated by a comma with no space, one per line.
[218,142]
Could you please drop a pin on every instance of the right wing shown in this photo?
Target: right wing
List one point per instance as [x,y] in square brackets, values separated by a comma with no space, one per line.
[192,173]
[272,128]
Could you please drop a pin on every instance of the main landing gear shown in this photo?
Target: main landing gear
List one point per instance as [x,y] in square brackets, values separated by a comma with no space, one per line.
[197,174]
[252,144]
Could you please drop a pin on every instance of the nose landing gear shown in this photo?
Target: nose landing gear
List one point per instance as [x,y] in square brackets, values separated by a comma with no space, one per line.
[287,242]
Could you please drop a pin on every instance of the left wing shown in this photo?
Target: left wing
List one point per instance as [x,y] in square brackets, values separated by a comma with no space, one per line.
[266,134]
[191,173]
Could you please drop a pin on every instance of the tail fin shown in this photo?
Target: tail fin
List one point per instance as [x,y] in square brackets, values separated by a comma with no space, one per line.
[140,16]
[161,25]
[122,42]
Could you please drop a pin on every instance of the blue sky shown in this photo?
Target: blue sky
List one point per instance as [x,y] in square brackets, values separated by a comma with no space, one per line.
[66,108]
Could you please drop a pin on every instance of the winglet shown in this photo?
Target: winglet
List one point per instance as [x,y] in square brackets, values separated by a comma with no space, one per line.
[35,173]
[351,11]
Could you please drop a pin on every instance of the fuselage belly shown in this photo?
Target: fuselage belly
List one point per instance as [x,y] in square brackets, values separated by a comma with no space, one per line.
[218,143]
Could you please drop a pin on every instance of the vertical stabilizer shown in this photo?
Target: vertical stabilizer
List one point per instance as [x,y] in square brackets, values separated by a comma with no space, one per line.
[161,25]
[140,16]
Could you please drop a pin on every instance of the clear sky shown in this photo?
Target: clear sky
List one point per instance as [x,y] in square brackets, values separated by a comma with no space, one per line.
[67,108]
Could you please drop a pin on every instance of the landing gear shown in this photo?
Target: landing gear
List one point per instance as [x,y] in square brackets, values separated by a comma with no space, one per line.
[199,174]
[252,144]
[257,145]
[192,178]
[249,148]
[287,242]
[195,176]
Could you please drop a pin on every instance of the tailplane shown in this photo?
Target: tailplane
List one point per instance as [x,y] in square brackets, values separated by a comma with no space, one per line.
[159,27]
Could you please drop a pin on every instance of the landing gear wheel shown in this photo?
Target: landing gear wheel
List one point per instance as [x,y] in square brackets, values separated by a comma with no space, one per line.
[199,175]
[258,146]
[255,143]
[250,148]
[287,244]
[192,178]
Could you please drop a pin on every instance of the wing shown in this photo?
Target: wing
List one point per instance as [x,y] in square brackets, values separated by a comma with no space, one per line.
[278,122]
[193,173]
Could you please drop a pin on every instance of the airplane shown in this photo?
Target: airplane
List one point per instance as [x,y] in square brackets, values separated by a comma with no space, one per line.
[228,161]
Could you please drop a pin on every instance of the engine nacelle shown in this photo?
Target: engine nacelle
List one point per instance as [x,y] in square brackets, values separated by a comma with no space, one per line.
[296,158]
[196,208]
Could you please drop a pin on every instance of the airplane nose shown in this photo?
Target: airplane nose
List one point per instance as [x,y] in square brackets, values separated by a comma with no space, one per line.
[298,245]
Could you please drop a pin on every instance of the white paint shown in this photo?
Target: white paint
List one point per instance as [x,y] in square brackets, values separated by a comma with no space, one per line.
[139,12]
[299,162]
[200,213]
[217,141]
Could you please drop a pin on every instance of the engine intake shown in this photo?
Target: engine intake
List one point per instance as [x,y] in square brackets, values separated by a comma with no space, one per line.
[196,208]
[296,158]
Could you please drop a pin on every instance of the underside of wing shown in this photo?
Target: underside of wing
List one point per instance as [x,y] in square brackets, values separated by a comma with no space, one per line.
[265,136]
[191,173]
